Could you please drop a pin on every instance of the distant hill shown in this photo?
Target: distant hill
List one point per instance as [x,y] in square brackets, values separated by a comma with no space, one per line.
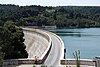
[61,16]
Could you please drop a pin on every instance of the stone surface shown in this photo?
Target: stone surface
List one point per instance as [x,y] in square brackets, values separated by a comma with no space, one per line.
[35,43]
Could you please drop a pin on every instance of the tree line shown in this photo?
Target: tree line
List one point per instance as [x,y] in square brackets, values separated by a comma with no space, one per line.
[61,16]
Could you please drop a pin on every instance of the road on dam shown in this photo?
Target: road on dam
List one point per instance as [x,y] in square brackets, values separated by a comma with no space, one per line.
[56,52]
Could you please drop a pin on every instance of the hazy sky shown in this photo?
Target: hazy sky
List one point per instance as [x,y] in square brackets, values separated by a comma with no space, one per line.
[52,2]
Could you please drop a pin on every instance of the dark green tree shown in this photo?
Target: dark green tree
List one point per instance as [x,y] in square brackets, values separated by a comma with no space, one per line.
[1,58]
[54,16]
[11,41]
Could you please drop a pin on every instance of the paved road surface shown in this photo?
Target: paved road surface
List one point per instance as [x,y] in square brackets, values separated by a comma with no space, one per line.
[56,52]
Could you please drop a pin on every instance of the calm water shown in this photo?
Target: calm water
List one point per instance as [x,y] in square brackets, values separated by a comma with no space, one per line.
[87,40]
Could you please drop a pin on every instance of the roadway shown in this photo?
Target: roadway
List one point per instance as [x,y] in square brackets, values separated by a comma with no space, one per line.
[56,53]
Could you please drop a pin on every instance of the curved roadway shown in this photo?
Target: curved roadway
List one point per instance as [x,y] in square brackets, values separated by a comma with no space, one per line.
[57,51]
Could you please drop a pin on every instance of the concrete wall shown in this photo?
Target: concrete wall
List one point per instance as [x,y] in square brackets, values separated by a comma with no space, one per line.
[82,62]
[36,42]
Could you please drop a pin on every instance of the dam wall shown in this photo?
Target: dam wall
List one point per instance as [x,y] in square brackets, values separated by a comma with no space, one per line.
[38,43]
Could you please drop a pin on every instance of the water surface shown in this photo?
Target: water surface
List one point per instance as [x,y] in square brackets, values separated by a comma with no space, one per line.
[87,40]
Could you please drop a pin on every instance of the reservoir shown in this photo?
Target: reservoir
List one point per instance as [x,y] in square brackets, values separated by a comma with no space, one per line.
[87,40]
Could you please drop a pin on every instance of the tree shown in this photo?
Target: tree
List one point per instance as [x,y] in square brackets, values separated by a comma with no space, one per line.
[11,41]
[77,57]
[54,16]
[1,58]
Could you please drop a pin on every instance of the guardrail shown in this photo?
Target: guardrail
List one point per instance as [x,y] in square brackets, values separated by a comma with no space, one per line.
[31,60]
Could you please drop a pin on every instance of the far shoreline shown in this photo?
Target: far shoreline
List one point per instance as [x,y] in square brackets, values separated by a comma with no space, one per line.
[54,27]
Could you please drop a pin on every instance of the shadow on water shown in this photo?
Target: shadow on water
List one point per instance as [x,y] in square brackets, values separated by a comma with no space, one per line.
[64,32]
[67,33]
[74,34]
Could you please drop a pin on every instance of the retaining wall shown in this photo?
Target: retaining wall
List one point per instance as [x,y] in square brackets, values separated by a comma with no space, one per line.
[82,62]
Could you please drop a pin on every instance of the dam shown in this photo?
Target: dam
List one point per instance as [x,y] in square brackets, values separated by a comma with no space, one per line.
[48,46]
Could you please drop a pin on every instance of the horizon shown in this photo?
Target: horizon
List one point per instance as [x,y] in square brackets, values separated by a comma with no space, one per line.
[53,2]
[52,6]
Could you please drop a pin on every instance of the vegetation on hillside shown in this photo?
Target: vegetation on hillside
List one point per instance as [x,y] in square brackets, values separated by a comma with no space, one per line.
[11,42]
[1,58]
[61,16]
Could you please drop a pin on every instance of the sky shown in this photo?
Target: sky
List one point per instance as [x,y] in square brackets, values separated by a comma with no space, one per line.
[53,2]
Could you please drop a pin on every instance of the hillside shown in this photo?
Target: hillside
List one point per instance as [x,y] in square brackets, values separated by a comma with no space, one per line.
[61,16]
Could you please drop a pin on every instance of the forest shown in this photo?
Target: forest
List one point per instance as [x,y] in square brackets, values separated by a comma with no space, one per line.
[60,16]
[11,42]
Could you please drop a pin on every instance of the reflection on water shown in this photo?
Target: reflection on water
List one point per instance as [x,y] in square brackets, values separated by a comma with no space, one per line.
[87,40]
[69,34]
